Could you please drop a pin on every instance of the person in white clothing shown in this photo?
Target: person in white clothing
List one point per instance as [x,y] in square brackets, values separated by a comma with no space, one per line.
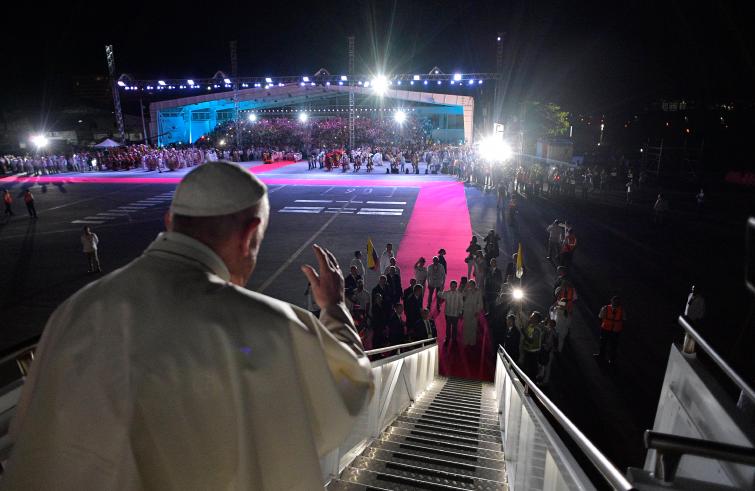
[454,300]
[357,263]
[385,257]
[472,310]
[169,374]
[90,244]
[436,280]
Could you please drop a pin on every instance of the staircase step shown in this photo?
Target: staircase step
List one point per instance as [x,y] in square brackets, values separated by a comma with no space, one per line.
[441,438]
[339,485]
[479,461]
[448,446]
[438,411]
[486,405]
[435,463]
[445,430]
[458,409]
[423,474]
[451,424]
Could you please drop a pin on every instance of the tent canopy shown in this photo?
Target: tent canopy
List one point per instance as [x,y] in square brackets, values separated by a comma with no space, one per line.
[107,143]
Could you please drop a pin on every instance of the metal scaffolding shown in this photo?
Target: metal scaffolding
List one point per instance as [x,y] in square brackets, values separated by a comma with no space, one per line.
[350,41]
[114,88]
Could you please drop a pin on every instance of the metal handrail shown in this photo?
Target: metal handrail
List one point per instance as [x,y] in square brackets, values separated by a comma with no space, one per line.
[698,339]
[609,472]
[664,442]
[671,448]
[398,346]
[20,349]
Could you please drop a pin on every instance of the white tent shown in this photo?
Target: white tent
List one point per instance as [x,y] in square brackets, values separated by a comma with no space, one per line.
[107,143]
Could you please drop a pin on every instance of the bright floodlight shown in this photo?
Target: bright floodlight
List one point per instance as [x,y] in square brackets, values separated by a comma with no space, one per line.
[121,83]
[380,84]
[517,293]
[400,117]
[305,79]
[161,82]
[252,118]
[495,149]
[457,76]
[221,142]
[268,80]
[416,77]
[190,82]
[344,78]
[39,141]
[303,117]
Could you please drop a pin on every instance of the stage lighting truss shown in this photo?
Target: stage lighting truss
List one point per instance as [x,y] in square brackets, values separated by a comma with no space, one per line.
[222,82]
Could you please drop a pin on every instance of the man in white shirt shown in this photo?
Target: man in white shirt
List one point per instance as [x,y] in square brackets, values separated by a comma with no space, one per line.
[454,309]
[385,258]
[357,263]
[554,239]
[170,374]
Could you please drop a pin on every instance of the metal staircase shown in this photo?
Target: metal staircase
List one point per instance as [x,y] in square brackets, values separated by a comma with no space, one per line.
[448,439]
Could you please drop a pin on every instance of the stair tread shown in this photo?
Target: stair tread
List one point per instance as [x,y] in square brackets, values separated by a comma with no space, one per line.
[426,426]
[436,462]
[479,428]
[397,435]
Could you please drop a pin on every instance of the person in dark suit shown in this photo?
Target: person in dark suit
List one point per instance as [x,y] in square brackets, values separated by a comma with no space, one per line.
[413,309]
[511,337]
[493,282]
[382,289]
[426,327]
[351,282]
[409,291]
[396,326]
[394,285]
[378,322]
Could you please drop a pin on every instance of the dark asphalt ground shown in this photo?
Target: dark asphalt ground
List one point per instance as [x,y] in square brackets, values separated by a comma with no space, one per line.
[620,251]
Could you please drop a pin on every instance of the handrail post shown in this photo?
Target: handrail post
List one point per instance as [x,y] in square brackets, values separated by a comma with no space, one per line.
[689,346]
[666,464]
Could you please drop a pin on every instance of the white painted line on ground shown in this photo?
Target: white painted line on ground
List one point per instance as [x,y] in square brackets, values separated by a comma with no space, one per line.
[387,213]
[350,201]
[112,215]
[327,190]
[271,191]
[296,254]
[393,210]
[89,222]
[99,218]
[345,209]
[302,209]
[314,201]
[386,202]
[339,211]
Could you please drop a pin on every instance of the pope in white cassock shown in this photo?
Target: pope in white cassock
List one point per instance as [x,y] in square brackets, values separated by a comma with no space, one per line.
[169,375]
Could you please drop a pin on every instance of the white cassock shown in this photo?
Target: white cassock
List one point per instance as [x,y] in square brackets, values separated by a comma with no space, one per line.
[165,376]
[385,260]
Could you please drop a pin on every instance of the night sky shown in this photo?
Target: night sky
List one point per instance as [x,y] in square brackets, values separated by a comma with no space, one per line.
[587,57]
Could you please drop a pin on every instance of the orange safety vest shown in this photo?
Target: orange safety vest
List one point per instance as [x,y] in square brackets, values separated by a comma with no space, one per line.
[614,320]
[567,293]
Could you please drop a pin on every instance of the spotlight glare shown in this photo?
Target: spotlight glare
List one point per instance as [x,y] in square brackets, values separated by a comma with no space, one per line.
[457,76]
[121,83]
[380,84]
[226,80]
[161,82]
[495,150]
[425,82]
[471,81]
[252,117]
[400,116]
[39,141]
[305,79]
[303,117]
[190,82]
[416,77]
[344,78]
[268,80]
[517,293]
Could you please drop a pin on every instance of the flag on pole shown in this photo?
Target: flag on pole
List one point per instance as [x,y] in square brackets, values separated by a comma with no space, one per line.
[372,257]
[519,265]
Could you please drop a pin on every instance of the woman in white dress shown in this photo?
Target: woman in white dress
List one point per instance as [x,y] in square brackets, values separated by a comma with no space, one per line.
[472,309]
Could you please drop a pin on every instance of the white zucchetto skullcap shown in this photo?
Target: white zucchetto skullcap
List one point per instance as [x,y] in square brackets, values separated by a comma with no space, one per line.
[217,188]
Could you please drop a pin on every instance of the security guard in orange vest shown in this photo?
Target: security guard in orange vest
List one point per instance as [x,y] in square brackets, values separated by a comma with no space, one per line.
[612,318]
[567,247]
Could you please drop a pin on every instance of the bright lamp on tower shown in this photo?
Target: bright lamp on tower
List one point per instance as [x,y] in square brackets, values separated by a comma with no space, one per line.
[495,150]
[399,117]
[380,84]
[303,117]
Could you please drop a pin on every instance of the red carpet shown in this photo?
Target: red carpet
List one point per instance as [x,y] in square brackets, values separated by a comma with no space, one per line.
[257,169]
[441,220]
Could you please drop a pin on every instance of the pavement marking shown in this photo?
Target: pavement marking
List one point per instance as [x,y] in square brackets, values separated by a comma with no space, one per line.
[349,201]
[386,202]
[386,213]
[271,191]
[99,218]
[327,190]
[89,222]
[338,211]
[314,201]
[296,254]
[112,214]
[302,209]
